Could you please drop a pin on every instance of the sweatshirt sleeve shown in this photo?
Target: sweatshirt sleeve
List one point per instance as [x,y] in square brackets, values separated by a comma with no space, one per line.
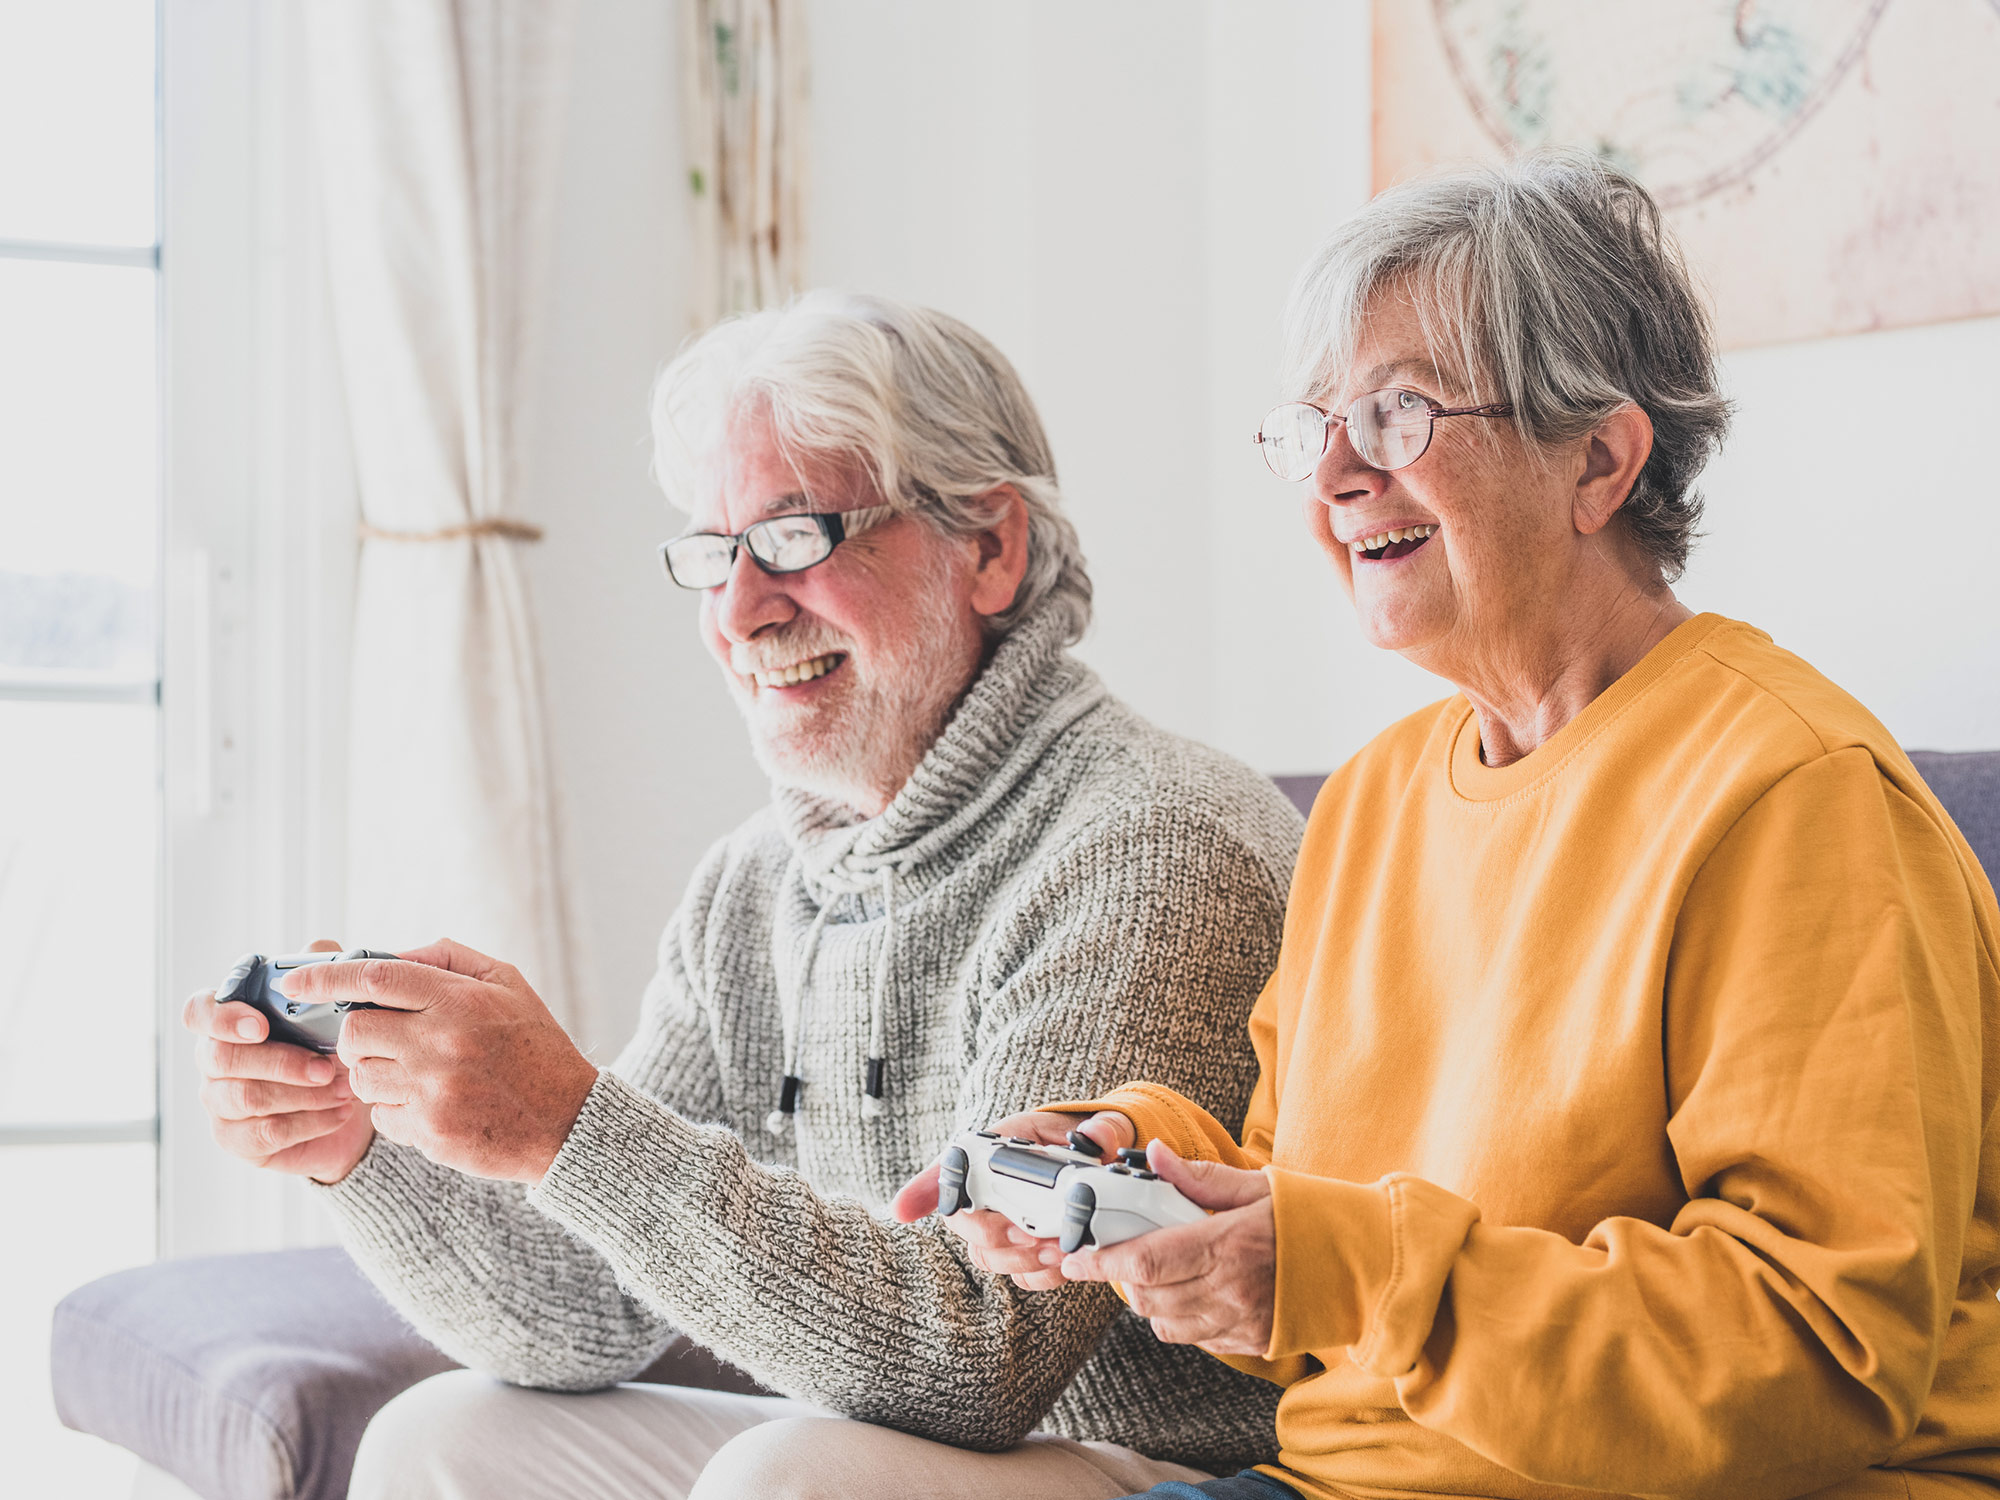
[1136,948]
[1824,1049]
[1158,1112]
[484,1274]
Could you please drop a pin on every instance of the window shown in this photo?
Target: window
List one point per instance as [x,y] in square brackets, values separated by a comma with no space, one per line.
[80,812]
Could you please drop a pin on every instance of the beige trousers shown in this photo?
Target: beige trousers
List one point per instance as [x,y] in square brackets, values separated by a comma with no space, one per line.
[466,1436]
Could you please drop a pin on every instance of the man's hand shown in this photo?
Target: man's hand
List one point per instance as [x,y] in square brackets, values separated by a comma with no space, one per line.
[997,1245]
[275,1105]
[463,1061]
[1211,1283]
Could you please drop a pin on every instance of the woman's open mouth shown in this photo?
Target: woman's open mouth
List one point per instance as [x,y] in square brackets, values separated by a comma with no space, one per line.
[810,670]
[1397,541]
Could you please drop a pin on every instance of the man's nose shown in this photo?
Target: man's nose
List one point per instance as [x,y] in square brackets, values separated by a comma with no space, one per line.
[750,600]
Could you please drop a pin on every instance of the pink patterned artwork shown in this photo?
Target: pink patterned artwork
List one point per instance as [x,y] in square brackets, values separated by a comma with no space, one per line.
[1830,165]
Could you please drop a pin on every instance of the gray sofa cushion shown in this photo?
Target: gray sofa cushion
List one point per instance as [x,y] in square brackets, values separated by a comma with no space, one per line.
[251,1377]
[1968,784]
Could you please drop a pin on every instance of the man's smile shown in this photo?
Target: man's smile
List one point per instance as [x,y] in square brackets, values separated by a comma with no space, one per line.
[798,672]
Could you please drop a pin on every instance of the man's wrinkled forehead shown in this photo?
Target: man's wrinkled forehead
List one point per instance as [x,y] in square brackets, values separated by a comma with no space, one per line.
[747,476]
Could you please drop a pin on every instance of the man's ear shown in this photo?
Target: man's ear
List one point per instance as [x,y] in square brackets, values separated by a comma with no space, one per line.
[1613,456]
[1002,553]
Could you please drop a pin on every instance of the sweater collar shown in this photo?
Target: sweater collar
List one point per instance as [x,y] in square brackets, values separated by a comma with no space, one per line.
[1027,694]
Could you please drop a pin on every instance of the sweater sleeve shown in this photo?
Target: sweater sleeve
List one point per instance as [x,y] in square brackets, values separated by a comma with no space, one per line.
[484,1274]
[1136,947]
[1824,1050]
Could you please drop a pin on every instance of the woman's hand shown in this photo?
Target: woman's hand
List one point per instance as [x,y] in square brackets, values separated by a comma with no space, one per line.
[996,1244]
[1211,1283]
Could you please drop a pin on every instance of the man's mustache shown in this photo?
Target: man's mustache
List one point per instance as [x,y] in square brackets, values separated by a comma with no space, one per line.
[767,652]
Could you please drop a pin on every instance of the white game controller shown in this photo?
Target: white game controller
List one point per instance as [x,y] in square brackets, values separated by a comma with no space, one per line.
[1061,1193]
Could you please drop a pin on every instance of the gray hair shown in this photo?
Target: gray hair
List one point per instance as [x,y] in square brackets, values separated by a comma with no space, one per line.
[1549,283]
[934,413]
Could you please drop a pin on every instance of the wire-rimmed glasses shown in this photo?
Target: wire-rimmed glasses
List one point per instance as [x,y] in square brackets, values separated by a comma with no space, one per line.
[777,544]
[1390,429]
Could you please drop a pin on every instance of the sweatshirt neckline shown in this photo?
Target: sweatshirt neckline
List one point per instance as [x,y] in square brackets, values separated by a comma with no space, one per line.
[1475,781]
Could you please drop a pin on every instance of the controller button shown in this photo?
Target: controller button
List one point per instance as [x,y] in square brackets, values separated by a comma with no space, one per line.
[1144,1176]
[1021,1140]
[1120,1168]
[988,1135]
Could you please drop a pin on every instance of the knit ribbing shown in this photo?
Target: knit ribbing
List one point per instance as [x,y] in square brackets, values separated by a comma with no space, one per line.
[1080,899]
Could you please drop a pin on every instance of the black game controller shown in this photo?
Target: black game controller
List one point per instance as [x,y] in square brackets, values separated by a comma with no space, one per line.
[254,981]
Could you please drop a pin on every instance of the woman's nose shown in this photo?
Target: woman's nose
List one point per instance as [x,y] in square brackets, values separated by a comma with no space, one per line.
[1342,473]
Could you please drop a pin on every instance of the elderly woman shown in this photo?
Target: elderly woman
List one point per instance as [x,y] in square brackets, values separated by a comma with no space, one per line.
[1629,1069]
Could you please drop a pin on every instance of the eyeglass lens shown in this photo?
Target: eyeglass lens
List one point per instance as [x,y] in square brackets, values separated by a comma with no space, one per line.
[783,544]
[1389,430]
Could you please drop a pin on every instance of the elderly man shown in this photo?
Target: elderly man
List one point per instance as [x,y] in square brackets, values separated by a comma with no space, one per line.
[1627,1117]
[982,882]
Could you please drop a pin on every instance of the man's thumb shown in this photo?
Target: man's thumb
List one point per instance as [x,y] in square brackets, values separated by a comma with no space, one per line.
[918,1196]
[1206,1184]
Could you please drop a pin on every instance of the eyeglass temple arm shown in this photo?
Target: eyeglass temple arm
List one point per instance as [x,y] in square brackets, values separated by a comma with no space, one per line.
[1496,409]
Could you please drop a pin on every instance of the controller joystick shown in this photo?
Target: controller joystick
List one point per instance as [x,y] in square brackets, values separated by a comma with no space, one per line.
[1132,1156]
[1078,1141]
[1061,1193]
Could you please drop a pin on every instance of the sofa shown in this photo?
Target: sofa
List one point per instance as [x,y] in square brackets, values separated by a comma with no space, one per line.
[251,1377]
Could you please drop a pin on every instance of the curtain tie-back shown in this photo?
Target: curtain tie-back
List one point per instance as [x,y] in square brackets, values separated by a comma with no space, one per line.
[500,526]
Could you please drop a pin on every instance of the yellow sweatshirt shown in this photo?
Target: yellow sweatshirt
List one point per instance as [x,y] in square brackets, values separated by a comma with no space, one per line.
[1629,1110]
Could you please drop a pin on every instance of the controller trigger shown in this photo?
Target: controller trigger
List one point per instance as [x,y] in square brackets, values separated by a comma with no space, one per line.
[1079,1207]
[952,1168]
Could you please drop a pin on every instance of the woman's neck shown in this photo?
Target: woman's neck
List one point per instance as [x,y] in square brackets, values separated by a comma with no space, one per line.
[1532,690]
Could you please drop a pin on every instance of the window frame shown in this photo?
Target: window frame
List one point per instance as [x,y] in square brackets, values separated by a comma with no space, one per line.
[258,543]
[109,689]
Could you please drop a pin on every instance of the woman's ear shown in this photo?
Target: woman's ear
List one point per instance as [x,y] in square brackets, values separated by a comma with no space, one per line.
[1613,456]
[1002,553]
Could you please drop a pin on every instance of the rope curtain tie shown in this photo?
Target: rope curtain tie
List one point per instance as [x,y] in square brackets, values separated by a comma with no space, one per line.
[500,526]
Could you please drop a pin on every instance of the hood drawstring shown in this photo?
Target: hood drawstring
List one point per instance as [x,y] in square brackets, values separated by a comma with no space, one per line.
[872,1106]
[874,1082]
[788,1088]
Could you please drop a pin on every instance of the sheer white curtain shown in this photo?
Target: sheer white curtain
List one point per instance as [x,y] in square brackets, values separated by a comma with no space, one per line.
[438,123]
[744,100]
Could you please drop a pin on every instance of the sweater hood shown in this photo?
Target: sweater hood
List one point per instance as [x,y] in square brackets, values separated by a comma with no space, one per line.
[1028,693]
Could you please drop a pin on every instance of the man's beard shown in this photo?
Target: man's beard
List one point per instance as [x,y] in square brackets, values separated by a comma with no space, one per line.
[858,745]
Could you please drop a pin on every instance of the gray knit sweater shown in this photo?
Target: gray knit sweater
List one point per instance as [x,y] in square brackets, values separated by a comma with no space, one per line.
[1061,899]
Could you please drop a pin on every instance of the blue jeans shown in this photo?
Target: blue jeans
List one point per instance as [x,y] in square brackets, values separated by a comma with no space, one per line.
[1248,1485]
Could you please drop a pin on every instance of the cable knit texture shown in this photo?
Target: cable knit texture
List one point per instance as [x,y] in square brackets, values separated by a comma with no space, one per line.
[1078,899]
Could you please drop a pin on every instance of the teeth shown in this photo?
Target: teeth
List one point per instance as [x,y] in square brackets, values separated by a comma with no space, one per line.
[1393,535]
[798,671]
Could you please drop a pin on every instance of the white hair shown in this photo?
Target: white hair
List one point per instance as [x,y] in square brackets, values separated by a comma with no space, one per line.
[1549,283]
[932,411]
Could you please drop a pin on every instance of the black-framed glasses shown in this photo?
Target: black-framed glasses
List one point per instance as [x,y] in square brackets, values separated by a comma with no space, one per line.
[1390,429]
[777,544]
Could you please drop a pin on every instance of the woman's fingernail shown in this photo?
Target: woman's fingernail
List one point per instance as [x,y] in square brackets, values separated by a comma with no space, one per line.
[247,1029]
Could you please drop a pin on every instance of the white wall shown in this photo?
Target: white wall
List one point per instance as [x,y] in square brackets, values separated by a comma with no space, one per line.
[651,754]
[1118,194]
